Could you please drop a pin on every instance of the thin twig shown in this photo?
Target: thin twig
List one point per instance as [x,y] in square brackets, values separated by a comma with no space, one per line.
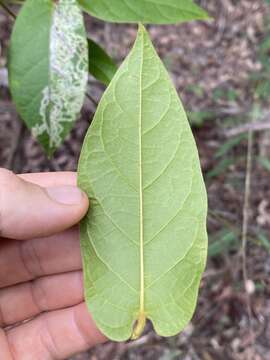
[7,9]
[253,126]
[91,99]
[246,223]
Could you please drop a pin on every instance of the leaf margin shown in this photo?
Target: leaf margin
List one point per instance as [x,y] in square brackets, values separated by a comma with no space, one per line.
[197,13]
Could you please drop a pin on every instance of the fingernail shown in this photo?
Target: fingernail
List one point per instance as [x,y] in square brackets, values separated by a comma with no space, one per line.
[67,195]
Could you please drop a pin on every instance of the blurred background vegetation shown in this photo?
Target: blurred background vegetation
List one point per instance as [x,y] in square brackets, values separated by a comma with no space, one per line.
[222,72]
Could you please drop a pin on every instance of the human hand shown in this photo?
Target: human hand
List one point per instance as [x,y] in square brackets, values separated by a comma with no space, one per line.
[40,268]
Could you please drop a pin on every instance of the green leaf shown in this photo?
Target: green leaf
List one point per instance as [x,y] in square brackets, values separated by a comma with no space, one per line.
[264,239]
[265,163]
[145,11]
[228,145]
[220,167]
[101,65]
[225,241]
[48,68]
[198,118]
[144,238]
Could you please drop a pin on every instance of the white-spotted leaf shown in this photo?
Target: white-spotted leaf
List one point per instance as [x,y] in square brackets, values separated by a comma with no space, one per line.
[144,240]
[145,11]
[48,68]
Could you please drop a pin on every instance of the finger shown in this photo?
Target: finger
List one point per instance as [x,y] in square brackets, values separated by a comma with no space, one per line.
[51,178]
[22,261]
[24,301]
[5,350]
[55,335]
[28,210]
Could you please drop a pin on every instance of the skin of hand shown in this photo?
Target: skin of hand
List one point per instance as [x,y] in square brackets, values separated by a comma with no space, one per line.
[42,311]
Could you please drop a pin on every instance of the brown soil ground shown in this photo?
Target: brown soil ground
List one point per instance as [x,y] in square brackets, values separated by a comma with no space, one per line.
[213,65]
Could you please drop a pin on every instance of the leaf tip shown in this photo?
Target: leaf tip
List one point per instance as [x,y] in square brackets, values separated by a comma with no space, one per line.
[204,15]
[141,28]
[200,13]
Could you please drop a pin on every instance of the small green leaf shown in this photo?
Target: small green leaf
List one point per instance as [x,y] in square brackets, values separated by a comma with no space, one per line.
[145,11]
[48,68]
[265,240]
[198,118]
[220,167]
[265,163]
[101,65]
[224,242]
[144,238]
[229,145]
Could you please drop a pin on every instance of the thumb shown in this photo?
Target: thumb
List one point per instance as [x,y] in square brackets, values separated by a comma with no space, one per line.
[28,210]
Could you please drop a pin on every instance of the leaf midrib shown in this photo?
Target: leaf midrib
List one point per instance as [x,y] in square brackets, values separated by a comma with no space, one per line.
[141,315]
[141,187]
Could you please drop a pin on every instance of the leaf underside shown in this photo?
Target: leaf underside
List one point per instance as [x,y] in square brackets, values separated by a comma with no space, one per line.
[144,240]
[145,11]
[48,68]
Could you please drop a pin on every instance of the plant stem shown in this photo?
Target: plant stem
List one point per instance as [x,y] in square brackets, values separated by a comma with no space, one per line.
[7,9]
[246,216]
[253,126]
[91,99]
